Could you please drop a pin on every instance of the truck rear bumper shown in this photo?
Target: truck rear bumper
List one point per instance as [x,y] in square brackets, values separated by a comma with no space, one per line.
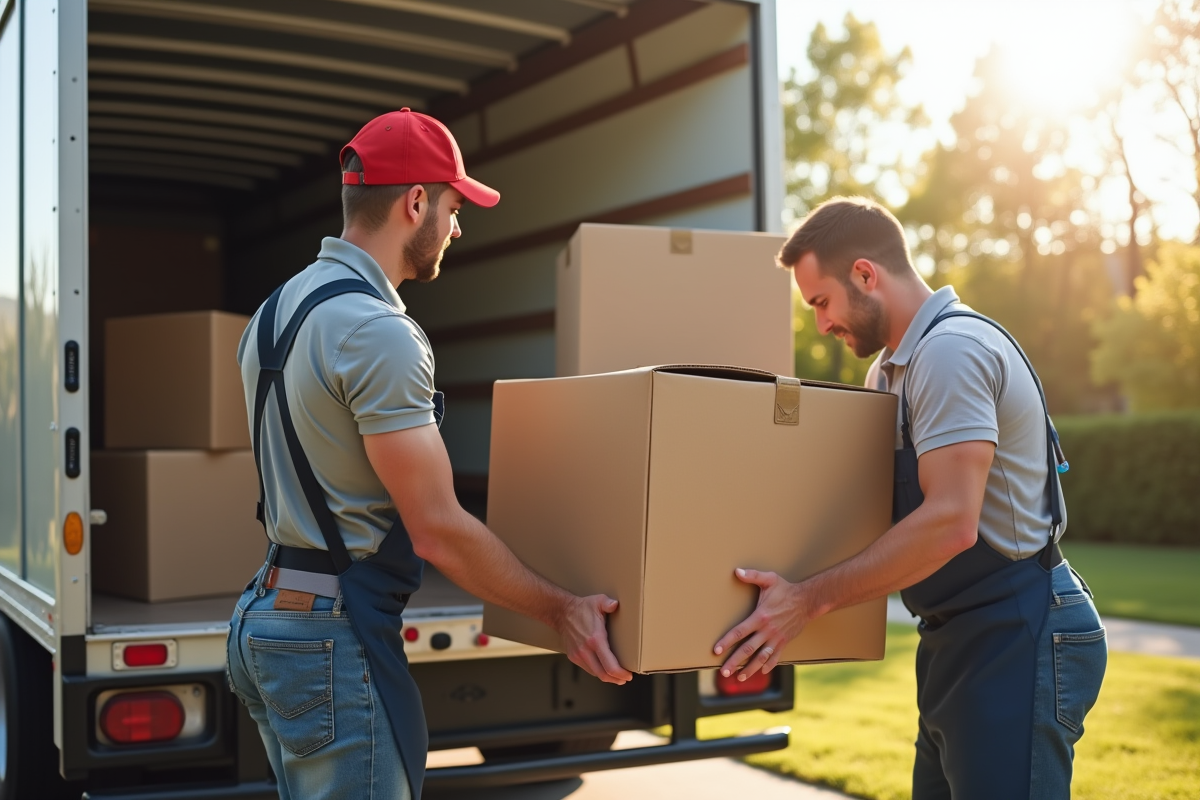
[256,790]
[570,766]
[505,773]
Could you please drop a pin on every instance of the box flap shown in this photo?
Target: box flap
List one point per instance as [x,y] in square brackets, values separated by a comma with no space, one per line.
[733,373]
[720,371]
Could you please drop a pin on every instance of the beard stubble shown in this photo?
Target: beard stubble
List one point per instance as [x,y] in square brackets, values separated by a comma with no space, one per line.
[423,252]
[868,322]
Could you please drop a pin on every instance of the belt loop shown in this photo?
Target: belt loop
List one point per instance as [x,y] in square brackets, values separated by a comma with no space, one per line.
[337,604]
[259,589]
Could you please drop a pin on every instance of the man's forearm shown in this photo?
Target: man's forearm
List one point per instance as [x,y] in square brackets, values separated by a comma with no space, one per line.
[909,552]
[469,554]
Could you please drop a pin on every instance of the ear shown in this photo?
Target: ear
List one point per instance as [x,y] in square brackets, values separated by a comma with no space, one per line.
[414,200]
[864,274]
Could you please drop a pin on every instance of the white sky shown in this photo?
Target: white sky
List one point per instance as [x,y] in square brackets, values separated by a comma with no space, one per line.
[1066,48]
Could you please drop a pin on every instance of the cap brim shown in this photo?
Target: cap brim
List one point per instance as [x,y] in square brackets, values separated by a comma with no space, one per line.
[476,192]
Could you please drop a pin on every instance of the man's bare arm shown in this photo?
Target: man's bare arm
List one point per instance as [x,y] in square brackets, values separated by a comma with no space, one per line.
[952,478]
[415,469]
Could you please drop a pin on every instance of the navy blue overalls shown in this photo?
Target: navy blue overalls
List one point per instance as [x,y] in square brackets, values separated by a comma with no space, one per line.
[982,616]
[374,590]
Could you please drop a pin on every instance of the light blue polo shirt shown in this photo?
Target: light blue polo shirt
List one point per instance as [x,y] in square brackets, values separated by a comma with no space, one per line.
[966,382]
[359,366]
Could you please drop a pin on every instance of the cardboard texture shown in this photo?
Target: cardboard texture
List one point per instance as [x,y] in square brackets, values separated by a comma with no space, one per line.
[653,485]
[180,523]
[172,381]
[632,296]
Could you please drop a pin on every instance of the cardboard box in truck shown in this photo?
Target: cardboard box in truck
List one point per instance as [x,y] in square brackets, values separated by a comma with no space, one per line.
[652,485]
[180,523]
[634,296]
[172,380]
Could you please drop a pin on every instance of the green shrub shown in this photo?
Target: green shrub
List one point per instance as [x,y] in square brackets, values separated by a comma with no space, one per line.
[1133,478]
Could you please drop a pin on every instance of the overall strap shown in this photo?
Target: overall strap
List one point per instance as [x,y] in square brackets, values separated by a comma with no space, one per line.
[272,355]
[1055,461]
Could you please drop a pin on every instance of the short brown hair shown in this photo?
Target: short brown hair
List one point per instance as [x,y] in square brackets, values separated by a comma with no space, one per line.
[844,229]
[370,206]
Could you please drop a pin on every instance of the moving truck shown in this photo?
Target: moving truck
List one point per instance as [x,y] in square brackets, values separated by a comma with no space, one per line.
[170,156]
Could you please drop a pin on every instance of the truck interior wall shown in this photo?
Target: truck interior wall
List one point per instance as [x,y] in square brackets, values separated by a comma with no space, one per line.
[699,134]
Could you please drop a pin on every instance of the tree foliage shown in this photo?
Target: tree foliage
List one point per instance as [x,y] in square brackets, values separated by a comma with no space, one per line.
[999,215]
[837,128]
[839,125]
[1172,61]
[1151,345]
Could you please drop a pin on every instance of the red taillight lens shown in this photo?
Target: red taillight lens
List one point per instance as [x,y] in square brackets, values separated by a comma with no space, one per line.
[140,717]
[757,683]
[145,655]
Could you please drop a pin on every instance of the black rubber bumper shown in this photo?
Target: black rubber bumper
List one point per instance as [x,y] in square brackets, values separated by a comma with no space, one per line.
[504,773]
[258,790]
[570,766]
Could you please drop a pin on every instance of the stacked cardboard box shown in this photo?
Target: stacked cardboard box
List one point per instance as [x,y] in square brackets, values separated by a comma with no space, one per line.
[636,296]
[177,477]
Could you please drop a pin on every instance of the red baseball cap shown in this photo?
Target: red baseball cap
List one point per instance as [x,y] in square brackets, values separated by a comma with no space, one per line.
[405,147]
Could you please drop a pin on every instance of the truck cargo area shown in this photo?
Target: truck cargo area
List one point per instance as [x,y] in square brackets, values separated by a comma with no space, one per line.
[213,168]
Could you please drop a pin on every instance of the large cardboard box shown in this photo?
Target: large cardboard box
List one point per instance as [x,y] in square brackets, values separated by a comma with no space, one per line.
[172,380]
[632,296]
[180,523]
[653,485]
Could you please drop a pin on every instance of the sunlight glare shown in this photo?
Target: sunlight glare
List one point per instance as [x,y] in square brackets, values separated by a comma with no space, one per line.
[1063,56]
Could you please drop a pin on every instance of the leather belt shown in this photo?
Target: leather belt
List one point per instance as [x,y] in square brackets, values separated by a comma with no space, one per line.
[303,569]
[298,581]
[304,559]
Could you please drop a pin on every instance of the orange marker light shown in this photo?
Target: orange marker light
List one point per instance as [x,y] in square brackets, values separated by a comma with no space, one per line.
[73,533]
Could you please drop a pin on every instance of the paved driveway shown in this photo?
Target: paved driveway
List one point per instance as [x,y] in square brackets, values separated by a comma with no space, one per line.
[714,779]
[1124,635]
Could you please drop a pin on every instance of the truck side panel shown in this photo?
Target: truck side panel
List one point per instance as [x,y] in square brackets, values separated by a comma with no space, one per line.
[10,290]
[39,323]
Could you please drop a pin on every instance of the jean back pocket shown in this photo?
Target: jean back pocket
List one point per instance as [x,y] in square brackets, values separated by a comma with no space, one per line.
[1079,663]
[295,680]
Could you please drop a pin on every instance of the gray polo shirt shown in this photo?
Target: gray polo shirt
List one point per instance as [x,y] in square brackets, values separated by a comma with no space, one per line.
[359,366]
[966,382]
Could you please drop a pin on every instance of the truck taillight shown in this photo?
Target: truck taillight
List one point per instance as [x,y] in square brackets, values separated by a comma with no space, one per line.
[142,717]
[145,655]
[757,683]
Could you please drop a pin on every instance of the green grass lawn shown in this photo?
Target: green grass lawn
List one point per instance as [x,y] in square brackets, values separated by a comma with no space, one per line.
[1161,584]
[854,724]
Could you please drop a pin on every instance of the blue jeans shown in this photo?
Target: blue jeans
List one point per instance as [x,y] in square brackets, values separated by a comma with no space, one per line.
[1072,657]
[305,680]
[1071,654]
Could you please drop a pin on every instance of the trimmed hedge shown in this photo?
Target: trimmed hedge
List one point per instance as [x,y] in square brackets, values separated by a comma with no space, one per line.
[1133,478]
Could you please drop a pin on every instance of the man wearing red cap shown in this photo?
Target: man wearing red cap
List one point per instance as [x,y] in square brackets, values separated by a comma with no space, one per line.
[357,490]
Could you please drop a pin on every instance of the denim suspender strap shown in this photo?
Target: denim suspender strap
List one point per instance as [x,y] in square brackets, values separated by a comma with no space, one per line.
[271,356]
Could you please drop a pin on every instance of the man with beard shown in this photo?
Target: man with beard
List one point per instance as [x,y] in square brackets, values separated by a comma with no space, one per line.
[1012,652]
[357,490]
